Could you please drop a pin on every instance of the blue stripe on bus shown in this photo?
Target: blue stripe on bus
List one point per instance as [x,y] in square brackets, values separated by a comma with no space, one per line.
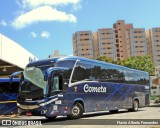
[8,80]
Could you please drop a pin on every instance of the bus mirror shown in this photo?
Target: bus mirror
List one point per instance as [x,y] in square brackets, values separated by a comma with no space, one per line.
[14,74]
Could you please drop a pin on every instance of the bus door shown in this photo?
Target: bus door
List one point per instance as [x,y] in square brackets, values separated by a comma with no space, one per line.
[56,87]
[56,82]
[54,76]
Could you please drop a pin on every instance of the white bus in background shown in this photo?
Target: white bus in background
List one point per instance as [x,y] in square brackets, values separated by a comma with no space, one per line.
[155,86]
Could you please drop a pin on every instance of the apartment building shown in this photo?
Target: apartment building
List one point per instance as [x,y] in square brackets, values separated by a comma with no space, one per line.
[106,42]
[83,44]
[120,42]
[153,41]
[120,35]
[137,42]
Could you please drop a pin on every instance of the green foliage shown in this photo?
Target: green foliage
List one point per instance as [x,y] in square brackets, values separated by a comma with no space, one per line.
[143,63]
[105,59]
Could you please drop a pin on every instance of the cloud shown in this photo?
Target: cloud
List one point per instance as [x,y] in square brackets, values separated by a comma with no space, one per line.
[76,7]
[3,23]
[37,3]
[41,14]
[45,34]
[33,34]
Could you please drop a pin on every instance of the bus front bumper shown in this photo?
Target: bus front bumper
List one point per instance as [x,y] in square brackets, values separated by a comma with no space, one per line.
[49,110]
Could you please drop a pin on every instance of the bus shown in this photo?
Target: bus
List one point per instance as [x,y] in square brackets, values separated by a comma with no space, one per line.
[8,96]
[71,86]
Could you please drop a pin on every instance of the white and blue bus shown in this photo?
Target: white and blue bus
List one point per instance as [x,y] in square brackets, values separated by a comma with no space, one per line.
[71,86]
[8,96]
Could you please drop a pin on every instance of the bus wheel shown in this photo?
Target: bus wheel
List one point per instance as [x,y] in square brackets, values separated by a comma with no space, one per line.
[51,118]
[76,111]
[135,106]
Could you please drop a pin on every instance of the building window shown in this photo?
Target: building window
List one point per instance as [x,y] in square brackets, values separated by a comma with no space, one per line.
[116,40]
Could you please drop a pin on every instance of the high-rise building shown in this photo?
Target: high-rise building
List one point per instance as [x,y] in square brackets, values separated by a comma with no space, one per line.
[121,38]
[137,42]
[153,41]
[106,42]
[120,42]
[83,42]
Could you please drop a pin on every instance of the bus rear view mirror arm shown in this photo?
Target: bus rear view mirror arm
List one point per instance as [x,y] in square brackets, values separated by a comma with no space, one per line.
[14,74]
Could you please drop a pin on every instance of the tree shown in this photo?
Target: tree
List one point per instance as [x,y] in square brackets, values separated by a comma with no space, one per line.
[105,59]
[143,63]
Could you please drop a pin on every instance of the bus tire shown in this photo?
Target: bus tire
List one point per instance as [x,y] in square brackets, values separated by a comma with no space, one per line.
[76,111]
[51,118]
[113,111]
[135,106]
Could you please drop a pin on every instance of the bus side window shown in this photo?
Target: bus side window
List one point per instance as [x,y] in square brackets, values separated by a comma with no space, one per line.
[81,72]
[55,84]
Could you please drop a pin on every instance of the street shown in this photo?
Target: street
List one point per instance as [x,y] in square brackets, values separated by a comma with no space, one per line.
[104,119]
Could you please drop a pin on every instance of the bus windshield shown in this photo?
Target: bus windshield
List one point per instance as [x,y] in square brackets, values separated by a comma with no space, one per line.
[34,85]
[35,75]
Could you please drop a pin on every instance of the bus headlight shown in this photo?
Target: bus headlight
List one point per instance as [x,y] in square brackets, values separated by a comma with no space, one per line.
[18,104]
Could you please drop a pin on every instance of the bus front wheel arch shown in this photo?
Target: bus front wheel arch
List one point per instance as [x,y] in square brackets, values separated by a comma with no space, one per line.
[76,111]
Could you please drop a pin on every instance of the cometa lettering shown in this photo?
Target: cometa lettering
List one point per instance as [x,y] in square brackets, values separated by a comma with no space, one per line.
[88,88]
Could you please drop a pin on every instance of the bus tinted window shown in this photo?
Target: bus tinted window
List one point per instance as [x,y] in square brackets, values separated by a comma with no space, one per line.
[136,78]
[82,72]
[87,71]
[66,73]
[114,74]
[110,73]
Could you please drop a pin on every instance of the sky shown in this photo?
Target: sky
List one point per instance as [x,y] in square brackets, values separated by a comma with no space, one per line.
[42,26]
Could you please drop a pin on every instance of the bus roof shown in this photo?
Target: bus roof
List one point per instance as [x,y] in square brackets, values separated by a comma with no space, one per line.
[8,80]
[56,59]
